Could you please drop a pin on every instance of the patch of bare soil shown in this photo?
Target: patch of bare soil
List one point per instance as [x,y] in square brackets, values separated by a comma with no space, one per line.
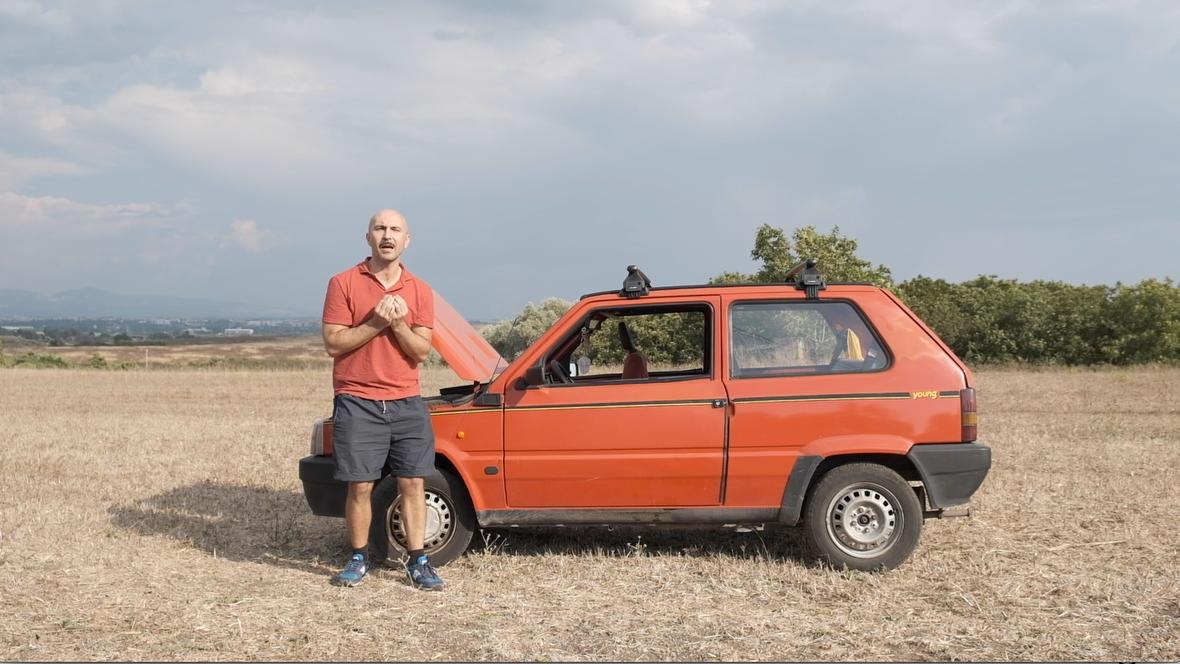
[158,515]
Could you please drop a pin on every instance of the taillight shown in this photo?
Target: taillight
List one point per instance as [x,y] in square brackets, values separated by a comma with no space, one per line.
[970,415]
[321,438]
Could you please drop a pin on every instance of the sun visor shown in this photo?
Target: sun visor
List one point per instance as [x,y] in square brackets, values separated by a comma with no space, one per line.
[464,349]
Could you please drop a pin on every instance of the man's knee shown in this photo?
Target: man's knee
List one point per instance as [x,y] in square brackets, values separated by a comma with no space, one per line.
[360,490]
[408,484]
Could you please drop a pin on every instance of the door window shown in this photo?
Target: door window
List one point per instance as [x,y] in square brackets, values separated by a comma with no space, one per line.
[634,344]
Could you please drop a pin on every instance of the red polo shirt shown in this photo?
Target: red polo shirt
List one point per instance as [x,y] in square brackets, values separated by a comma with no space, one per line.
[379,369]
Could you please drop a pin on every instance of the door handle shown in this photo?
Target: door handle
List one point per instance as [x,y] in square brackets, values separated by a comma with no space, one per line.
[719,403]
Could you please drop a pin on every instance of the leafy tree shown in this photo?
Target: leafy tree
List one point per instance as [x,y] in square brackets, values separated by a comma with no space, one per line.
[940,304]
[510,338]
[1146,321]
[835,252]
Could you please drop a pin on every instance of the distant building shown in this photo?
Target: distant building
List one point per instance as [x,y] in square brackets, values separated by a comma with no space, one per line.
[238,331]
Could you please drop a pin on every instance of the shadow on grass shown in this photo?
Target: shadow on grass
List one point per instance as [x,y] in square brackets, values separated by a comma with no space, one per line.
[241,523]
[262,525]
[776,544]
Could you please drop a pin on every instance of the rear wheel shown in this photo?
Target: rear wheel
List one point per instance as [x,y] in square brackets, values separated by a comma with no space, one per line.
[450,519]
[862,516]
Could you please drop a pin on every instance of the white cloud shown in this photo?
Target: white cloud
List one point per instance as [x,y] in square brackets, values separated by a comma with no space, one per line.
[263,76]
[35,14]
[38,112]
[942,28]
[56,217]
[246,234]
[83,242]
[15,170]
[332,100]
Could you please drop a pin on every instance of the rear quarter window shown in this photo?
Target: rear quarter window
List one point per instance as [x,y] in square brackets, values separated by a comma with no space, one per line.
[793,338]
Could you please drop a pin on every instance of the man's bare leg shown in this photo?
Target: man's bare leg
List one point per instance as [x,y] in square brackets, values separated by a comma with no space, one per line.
[413,492]
[358,513]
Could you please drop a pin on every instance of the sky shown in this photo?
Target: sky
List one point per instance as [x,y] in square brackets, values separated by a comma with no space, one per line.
[235,150]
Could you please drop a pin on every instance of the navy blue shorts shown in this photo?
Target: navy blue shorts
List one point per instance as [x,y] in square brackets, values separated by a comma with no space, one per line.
[371,435]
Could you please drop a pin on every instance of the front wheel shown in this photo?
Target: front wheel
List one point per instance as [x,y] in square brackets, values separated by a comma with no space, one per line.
[862,516]
[450,519]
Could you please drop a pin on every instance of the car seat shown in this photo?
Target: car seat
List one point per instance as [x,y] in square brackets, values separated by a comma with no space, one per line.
[635,364]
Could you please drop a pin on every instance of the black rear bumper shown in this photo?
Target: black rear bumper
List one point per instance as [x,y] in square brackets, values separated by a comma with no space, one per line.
[951,472]
[325,494]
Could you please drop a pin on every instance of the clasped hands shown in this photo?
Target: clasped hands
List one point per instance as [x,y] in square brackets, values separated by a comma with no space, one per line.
[391,311]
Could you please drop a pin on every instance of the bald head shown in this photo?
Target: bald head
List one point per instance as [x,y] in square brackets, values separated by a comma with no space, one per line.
[389,215]
[388,236]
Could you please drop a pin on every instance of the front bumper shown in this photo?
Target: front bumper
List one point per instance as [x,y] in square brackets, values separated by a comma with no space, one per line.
[325,494]
[951,472]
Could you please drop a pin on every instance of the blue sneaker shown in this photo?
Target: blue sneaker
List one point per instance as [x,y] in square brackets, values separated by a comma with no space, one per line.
[353,573]
[422,575]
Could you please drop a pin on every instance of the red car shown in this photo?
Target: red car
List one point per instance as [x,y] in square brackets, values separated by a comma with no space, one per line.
[827,406]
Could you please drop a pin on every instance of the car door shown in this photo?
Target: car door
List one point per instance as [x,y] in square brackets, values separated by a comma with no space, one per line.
[792,382]
[609,441]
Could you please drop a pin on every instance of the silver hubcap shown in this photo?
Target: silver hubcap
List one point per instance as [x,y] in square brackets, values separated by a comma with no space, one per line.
[439,521]
[863,520]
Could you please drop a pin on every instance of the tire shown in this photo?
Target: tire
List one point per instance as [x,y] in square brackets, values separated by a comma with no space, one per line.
[450,519]
[862,516]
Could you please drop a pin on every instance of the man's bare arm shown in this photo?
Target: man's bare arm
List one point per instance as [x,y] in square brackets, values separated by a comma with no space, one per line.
[415,340]
[339,339]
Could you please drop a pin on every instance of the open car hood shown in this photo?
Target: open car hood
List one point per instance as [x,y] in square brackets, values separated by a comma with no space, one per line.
[464,349]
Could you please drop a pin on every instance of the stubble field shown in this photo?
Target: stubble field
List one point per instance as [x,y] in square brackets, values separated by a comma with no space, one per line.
[158,515]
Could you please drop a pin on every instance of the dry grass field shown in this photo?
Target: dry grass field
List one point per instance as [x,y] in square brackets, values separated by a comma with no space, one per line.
[285,352]
[158,515]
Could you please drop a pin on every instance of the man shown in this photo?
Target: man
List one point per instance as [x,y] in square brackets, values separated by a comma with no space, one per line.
[378,320]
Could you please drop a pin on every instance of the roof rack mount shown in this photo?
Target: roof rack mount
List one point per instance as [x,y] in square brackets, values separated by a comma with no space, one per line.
[807,278]
[636,284]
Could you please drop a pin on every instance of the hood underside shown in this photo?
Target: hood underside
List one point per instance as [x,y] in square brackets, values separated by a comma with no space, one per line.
[469,355]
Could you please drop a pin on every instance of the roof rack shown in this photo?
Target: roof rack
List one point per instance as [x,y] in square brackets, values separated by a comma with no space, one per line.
[636,284]
[807,278]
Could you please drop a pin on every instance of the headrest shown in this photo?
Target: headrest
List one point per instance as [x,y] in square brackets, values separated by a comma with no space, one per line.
[625,338]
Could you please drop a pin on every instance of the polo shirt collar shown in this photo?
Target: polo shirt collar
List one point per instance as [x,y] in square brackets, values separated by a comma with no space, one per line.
[404,277]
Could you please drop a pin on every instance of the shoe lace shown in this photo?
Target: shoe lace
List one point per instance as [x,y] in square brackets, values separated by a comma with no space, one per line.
[424,569]
[355,565]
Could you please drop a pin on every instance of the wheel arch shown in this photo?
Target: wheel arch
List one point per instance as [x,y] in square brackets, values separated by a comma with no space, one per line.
[443,463]
[809,470]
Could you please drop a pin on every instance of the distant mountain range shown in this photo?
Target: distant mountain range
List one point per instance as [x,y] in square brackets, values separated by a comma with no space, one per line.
[97,303]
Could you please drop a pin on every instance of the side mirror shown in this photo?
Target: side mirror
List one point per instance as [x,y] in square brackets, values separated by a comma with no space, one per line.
[488,399]
[533,376]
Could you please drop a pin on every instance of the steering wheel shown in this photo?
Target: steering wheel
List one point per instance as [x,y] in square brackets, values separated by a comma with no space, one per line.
[558,372]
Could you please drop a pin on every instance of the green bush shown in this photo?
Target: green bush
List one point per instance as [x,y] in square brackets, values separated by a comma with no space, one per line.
[38,361]
[992,320]
[511,337]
